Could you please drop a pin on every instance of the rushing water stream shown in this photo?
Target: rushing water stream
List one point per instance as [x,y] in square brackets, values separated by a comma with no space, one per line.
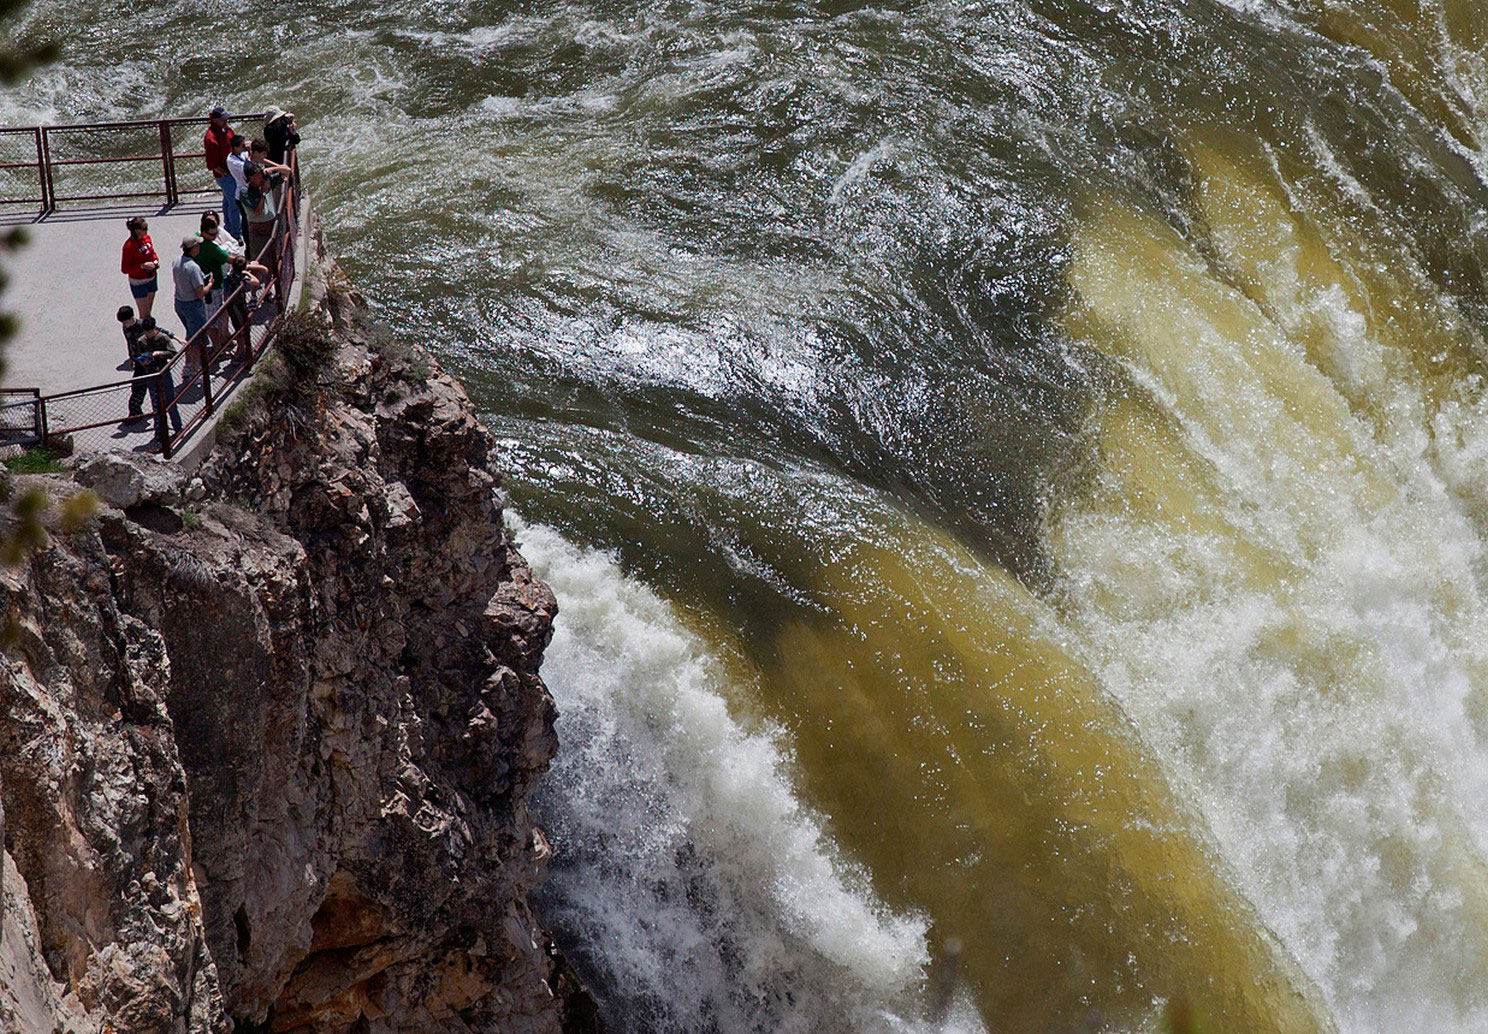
[1015,473]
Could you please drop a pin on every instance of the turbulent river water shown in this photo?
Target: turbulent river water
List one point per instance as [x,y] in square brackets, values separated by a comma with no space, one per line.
[1015,474]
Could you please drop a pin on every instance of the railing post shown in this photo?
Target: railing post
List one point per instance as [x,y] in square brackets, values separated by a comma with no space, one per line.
[206,354]
[46,161]
[161,409]
[41,172]
[168,162]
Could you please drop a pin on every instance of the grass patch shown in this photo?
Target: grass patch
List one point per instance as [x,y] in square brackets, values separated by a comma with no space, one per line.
[288,374]
[39,460]
[235,414]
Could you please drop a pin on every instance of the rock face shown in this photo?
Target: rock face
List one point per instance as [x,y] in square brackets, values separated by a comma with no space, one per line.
[263,757]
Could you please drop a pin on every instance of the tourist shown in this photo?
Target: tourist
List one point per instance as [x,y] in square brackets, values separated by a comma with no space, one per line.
[141,265]
[242,277]
[226,241]
[237,157]
[133,330]
[259,155]
[261,207]
[212,257]
[192,288]
[282,133]
[129,325]
[218,144]
[153,357]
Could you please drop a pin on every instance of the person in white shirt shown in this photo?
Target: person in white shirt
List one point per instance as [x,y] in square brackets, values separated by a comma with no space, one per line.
[237,157]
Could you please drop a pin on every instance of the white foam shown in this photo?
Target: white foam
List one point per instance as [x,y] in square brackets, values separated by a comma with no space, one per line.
[858,169]
[711,897]
[1332,724]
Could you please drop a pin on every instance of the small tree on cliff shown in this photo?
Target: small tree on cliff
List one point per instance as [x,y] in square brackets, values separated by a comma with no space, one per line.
[16,59]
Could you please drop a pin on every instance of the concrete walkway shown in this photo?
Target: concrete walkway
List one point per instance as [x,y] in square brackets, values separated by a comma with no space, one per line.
[65,287]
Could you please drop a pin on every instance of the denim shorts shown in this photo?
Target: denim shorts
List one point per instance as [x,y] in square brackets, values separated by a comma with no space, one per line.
[145,289]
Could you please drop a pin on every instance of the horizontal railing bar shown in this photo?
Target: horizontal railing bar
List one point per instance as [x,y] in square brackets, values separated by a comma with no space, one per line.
[133,123]
[112,422]
[103,161]
[108,161]
[106,197]
[92,389]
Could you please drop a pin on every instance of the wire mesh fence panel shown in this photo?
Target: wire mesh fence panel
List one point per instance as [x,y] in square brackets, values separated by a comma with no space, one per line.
[20,172]
[188,154]
[20,420]
[115,162]
[110,416]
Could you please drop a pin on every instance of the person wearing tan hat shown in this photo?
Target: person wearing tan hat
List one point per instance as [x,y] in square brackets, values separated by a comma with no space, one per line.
[192,288]
[282,134]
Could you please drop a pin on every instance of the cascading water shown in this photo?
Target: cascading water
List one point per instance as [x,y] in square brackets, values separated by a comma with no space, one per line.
[1012,471]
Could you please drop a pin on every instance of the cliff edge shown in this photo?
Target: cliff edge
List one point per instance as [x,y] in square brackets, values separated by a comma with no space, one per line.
[266,732]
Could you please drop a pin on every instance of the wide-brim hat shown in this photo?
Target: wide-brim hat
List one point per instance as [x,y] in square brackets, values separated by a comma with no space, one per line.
[272,114]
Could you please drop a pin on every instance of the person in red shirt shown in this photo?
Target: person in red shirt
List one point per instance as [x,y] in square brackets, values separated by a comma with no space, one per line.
[140,264]
[217,144]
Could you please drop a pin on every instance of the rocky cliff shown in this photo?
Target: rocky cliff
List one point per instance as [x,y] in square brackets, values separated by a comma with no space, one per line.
[265,734]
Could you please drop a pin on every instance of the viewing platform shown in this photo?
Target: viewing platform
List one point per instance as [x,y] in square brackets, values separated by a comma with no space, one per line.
[67,370]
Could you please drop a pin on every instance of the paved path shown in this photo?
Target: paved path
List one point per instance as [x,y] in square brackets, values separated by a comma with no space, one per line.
[65,287]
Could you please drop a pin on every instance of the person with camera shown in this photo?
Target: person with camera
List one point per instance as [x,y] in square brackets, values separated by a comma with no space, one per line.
[192,289]
[243,278]
[282,133]
[133,330]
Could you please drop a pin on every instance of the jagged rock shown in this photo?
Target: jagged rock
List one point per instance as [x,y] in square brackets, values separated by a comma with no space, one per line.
[123,480]
[96,808]
[269,764]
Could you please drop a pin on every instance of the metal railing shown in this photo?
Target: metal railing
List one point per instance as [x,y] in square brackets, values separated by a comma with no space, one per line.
[211,364]
[50,166]
[22,416]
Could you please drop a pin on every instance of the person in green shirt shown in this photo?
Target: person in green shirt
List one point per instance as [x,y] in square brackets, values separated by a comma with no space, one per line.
[213,259]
